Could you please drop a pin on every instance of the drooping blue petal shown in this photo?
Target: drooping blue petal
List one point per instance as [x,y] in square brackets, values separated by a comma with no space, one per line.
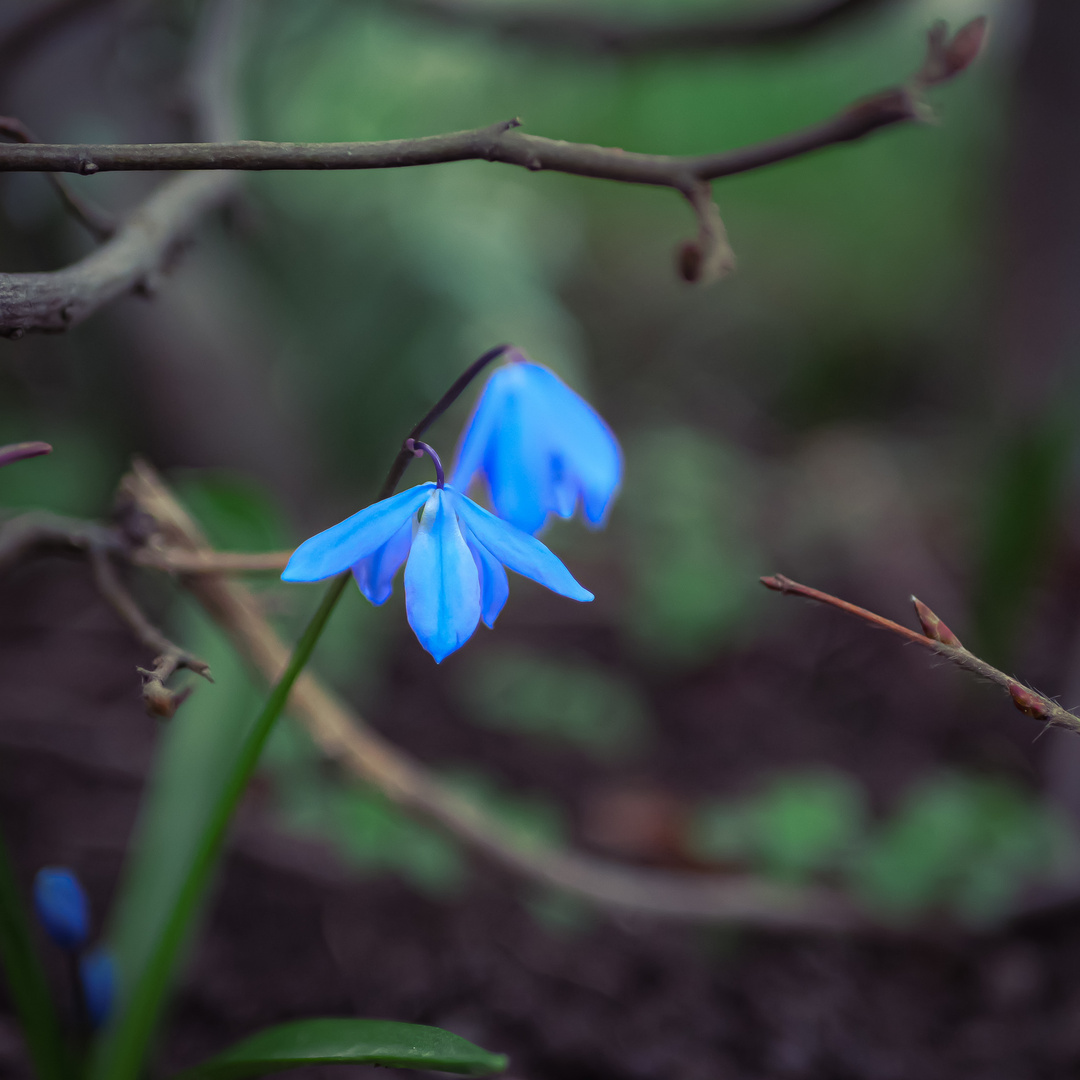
[494,586]
[61,906]
[521,552]
[517,466]
[585,451]
[541,447]
[375,573]
[345,544]
[442,585]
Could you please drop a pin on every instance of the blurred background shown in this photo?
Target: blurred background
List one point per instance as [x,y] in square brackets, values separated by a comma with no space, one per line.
[878,402]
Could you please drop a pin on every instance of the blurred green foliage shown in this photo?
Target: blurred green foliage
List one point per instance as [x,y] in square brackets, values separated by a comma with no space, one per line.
[688,521]
[797,826]
[965,844]
[576,703]
[235,512]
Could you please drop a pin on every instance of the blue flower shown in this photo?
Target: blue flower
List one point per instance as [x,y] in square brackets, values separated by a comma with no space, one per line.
[61,906]
[455,557]
[541,448]
[97,973]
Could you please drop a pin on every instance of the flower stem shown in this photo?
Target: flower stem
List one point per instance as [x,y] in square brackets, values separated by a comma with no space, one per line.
[122,1054]
[457,388]
[419,449]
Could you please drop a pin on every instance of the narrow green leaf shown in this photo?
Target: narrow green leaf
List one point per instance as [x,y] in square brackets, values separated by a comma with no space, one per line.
[348,1042]
[26,981]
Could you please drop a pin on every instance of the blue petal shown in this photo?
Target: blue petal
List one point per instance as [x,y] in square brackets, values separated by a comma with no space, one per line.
[61,906]
[520,552]
[442,585]
[485,418]
[586,452]
[518,465]
[494,586]
[375,573]
[336,549]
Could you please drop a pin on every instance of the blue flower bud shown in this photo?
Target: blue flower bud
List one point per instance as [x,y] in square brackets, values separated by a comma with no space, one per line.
[97,973]
[61,906]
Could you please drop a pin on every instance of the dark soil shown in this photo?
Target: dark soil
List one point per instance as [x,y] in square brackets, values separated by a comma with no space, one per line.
[291,933]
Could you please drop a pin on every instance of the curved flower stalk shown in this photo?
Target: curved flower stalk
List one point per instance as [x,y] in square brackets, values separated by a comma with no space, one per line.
[454,556]
[541,448]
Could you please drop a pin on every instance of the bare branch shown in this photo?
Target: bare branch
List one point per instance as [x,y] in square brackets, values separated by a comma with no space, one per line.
[39,531]
[170,658]
[343,737]
[56,300]
[595,33]
[939,639]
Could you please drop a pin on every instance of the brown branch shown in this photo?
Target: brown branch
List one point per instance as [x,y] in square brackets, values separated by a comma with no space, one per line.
[939,639]
[593,32]
[146,241]
[160,699]
[56,300]
[343,737]
[39,532]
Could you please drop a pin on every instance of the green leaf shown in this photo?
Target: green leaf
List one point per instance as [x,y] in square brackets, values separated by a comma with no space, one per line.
[348,1042]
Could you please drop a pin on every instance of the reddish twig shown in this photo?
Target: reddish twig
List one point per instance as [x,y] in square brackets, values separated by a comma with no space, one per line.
[939,639]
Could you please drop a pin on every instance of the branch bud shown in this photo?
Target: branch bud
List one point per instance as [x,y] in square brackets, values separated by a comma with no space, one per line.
[1029,703]
[933,627]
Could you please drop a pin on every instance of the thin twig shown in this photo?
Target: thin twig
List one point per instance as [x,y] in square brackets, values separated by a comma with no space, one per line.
[343,737]
[939,639]
[39,532]
[95,219]
[571,29]
[160,699]
[57,300]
